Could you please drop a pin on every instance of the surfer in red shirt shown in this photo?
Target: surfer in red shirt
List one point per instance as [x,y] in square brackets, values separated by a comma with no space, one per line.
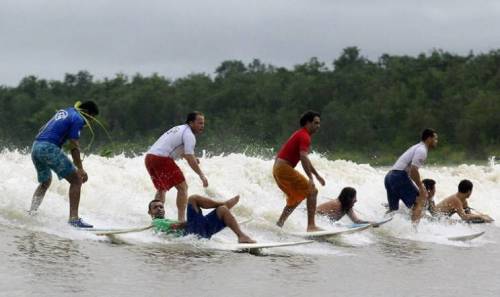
[296,186]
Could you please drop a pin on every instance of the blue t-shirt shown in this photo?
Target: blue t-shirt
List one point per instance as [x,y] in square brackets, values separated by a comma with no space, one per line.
[65,124]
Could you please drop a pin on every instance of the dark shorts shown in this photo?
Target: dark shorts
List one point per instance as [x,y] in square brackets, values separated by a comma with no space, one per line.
[399,186]
[47,156]
[203,226]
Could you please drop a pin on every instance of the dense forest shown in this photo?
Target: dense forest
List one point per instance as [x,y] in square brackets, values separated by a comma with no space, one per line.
[371,110]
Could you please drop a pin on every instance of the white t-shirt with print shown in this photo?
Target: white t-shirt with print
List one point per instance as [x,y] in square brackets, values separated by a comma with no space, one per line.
[175,142]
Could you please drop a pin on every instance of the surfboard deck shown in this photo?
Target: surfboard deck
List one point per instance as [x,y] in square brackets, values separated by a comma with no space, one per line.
[329,233]
[466,237]
[115,231]
[374,224]
[261,245]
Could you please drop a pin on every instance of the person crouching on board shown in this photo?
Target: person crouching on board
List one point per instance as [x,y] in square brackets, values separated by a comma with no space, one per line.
[403,180]
[47,156]
[198,224]
[296,186]
[343,205]
[177,142]
[457,203]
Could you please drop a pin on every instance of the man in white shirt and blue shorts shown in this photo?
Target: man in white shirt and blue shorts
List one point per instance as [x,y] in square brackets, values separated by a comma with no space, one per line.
[403,181]
[178,142]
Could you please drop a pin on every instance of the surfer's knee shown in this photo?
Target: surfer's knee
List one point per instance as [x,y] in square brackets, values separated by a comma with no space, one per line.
[193,199]
[313,191]
[74,179]
[222,211]
[182,188]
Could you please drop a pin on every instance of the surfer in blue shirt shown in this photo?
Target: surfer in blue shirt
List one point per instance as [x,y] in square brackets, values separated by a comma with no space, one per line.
[48,156]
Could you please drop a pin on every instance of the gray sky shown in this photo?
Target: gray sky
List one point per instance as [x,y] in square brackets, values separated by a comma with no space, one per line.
[48,38]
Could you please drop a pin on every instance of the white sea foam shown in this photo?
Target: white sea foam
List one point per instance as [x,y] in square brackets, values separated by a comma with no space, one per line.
[119,189]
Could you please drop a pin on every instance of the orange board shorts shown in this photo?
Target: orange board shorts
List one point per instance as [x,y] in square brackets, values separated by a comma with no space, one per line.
[164,173]
[295,185]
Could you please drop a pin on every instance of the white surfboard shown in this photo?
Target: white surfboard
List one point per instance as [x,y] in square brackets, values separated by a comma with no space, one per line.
[374,224]
[466,237]
[261,245]
[330,233]
[115,231]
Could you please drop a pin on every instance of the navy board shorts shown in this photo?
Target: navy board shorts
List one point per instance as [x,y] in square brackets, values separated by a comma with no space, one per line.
[203,226]
[47,156]
[399,186]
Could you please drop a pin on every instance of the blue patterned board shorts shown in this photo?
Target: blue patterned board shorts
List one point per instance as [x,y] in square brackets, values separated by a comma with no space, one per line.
[47,156]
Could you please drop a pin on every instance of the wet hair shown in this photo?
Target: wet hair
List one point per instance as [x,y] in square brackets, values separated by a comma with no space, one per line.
[429,183]
[427,133]
[191,117]
[151,202]
[90,107]
[308,117]
[346,198]
[465,186]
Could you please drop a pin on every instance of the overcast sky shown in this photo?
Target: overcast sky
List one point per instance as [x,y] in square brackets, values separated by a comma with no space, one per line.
[48,38]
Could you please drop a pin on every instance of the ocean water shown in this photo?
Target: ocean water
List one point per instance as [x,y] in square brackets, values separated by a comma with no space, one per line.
[42,256]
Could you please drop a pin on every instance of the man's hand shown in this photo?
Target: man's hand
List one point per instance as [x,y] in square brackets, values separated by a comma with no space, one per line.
[204,180]
[83,175]
[320,179]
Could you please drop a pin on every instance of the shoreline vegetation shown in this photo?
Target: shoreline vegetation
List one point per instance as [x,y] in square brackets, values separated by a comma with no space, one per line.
[372,111]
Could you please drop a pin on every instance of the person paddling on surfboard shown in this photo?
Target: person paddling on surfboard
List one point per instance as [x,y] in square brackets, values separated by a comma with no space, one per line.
[47,155]
[198,224]
[177,142]
[335,209]
[457,203]
[290,181]
[401,180]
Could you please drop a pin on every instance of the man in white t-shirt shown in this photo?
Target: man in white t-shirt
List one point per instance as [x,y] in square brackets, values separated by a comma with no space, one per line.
[178,142]
[403,181]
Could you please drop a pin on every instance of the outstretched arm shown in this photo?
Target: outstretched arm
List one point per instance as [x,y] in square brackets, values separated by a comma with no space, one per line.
[309,168]
[75,155]
[469,217]
[415,176]
[352,215]
[193,163]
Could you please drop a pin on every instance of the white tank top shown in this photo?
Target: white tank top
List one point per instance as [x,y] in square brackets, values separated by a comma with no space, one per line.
[175,142]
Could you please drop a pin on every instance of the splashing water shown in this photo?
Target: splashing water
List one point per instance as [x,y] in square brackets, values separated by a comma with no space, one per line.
[119,189]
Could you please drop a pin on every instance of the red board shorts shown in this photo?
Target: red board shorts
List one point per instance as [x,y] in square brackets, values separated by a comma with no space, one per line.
[164,173]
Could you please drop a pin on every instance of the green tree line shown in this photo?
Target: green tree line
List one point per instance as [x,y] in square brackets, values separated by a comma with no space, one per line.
[371,110]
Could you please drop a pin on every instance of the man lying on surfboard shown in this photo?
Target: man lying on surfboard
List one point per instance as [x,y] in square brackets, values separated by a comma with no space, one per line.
[457,203]
[197,223]
[335,209]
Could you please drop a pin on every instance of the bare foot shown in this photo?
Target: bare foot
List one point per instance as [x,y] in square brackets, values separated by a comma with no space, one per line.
[232,202]
[245,239]
[313,228]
